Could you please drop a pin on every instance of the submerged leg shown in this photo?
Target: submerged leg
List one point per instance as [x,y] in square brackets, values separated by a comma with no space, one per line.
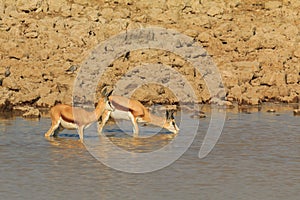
[80,132]
[54,129]
[59,129]
[55,122]
[135,125]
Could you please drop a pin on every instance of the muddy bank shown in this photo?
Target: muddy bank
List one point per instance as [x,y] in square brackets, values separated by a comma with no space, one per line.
[255,46]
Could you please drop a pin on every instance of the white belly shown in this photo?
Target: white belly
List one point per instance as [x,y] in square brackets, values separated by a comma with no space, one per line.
[119,114]
[68,125]
[140,120]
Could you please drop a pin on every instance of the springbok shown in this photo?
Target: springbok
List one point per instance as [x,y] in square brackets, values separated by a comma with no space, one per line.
[63,117]
[133,110]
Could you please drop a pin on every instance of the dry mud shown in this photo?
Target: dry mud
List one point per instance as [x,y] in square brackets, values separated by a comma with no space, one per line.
[255,45]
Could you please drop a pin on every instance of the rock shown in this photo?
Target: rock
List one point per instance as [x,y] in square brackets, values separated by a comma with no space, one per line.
[7,72]
[291,31]
[271,5]
[230,78]
[205,96]
[31,34]
[255,81]
[292,98]
[227,104]
[58,5]
[26,97]
[94,15]
[296,112]
[251,66]
[292,78]
[204,37]
[32,113]
[198,115]
[234,3]
[297,52]
[220,102]
[5,105]
[45,102]
[251,95]
[107,13]
[245,70]
[295,3]
[215,10]
[205,22]
[16,53]
[235,93]
[273,78]
[191,33]
[270,40]
[283,91]
[246,33]
[28,6]
[27,111]
[82,2]
[22,109]
[11,83]
[272,93]
[245,76]
[77,9]
[253,101]
[48,100]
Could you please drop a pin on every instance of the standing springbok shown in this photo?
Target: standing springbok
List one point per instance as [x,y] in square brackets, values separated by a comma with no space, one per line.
[133,110]
[63,117]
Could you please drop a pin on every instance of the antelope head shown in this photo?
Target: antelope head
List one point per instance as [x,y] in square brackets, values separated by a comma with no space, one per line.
[170,123]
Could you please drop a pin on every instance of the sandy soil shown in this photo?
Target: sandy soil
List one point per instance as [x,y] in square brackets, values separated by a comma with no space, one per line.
[254,44]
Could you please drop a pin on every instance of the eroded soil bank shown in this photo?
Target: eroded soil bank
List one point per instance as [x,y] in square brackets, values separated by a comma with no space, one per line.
[254,44]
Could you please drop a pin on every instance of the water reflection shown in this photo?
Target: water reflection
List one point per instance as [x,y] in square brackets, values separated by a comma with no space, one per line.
[127,143]
[69,142]
[142,145]
[256,157]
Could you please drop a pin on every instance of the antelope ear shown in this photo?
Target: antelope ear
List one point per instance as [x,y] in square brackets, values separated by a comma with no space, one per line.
[109,93]
[103,91]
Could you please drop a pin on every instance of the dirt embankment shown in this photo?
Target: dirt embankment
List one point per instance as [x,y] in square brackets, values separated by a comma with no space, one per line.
[255,44]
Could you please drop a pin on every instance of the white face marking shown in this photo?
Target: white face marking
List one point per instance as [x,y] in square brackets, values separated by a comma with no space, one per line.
[173,127]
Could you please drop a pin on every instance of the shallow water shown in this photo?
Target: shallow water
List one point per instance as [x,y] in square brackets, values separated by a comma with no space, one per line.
[256,157]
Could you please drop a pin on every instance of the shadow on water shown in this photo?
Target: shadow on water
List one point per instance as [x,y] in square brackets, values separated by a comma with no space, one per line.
[142,145]
[66,141]
[117,137]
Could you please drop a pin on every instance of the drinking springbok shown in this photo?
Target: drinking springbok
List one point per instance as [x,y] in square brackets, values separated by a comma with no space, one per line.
[133,110]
